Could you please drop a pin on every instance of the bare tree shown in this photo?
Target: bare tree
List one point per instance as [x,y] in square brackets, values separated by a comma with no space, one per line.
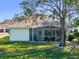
[60,9]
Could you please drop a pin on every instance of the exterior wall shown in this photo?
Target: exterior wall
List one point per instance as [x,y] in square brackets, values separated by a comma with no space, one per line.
[35,34]
[19,34]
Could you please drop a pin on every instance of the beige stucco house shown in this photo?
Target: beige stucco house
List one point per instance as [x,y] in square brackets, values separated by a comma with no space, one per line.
[35,29]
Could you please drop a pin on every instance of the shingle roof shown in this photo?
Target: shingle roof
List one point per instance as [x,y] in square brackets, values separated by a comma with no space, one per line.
[4,26]
[33,23]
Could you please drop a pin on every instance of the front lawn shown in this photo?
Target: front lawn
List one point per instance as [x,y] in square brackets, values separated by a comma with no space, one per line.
[28,50]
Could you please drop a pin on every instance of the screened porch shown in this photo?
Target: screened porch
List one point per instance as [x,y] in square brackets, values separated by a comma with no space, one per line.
[47,33]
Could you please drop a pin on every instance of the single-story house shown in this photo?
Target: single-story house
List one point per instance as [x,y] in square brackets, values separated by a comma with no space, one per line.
[35,30]
[4,28]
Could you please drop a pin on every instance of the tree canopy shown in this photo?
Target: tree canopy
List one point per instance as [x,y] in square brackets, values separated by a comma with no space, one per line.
[59,9]
[75,22]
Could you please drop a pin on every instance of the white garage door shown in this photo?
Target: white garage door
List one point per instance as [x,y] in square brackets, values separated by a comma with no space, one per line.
[19,34]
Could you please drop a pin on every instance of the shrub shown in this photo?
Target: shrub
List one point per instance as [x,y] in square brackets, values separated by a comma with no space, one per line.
[76,40]
[4,39]
[76,34]
[71,37]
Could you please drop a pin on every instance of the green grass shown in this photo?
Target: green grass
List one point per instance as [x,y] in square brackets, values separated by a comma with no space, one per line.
[22,50]
[28,50]
[4,39]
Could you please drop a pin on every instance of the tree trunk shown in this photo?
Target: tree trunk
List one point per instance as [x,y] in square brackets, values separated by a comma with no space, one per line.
[62,42]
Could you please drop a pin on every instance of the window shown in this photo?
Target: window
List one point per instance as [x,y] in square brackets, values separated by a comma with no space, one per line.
[57,32]
[6,30]
[47,33]
[53,32]
[35,37]
[1,30]
[39,32]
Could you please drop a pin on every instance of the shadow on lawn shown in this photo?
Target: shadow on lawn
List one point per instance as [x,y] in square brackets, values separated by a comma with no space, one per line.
[37,51]
[39,54]
[47,54]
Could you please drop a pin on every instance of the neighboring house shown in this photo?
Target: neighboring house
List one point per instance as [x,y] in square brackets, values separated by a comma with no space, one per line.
[35,29]
[4,28]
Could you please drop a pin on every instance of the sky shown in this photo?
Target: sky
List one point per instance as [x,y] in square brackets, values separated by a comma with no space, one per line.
[8,8]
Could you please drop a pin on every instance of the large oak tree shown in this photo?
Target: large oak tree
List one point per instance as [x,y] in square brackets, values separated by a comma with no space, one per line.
[60,9]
